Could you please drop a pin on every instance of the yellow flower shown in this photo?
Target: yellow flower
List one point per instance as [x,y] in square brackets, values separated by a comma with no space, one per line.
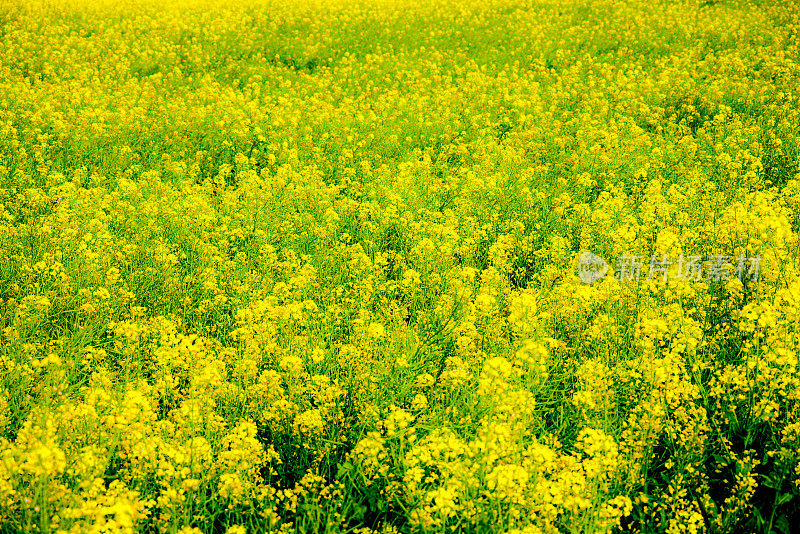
[376,331]
[309,422]
[420,402]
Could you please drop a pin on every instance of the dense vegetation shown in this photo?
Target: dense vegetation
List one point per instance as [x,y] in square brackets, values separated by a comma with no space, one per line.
[269,265]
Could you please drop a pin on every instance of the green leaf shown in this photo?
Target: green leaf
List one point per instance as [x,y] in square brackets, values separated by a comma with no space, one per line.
[782,525]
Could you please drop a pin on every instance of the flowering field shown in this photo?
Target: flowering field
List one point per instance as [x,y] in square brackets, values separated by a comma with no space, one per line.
[394,266]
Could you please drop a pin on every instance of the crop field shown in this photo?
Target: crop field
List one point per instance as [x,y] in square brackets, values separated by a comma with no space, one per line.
[399,266]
